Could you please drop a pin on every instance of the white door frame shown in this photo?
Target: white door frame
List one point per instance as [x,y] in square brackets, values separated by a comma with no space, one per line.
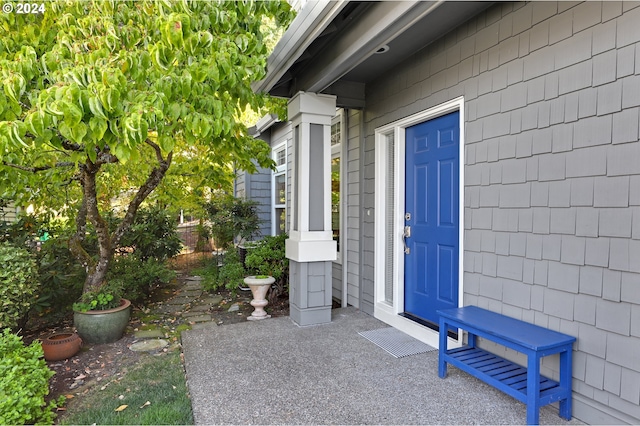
[383,310]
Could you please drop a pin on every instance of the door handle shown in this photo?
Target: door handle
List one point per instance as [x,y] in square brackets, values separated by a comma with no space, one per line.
[406,234]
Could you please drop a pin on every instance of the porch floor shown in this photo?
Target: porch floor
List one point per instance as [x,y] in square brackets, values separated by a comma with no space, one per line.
[274,372]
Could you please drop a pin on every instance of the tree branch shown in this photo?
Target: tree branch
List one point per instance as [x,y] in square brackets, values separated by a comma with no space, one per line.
[70,145]
[40,168]
[153,180]
[105,157]
[156,148]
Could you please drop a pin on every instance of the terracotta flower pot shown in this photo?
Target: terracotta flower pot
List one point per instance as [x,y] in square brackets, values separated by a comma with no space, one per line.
[61,346]
[105,326]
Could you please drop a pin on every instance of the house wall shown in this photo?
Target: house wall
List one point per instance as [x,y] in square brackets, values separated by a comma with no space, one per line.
[350,259]
[552,178]
[352,171]
[240,188]
[259,190]
[9,213]
[336,282]
[257,186]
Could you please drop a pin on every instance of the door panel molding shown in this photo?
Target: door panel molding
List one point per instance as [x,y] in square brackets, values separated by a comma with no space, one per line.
[395,131]
[435,197]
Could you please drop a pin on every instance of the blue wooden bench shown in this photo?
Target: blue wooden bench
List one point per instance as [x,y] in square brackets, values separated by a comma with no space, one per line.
[525,384]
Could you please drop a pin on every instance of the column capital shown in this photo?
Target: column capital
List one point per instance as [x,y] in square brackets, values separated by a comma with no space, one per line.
[311,246]
[313,104]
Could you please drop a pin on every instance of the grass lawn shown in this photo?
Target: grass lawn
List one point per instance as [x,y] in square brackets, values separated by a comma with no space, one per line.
[154,392]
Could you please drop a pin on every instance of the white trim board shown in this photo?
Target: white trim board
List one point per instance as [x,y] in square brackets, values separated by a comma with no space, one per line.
[384,311]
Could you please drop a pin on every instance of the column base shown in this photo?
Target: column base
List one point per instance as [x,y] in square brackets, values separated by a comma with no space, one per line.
[310,316]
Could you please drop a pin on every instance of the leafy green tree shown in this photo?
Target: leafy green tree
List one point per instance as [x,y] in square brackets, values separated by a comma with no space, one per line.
[100,98]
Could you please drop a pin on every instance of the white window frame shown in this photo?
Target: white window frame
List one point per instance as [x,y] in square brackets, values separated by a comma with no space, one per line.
[337,152]
[389,312]
[280,170]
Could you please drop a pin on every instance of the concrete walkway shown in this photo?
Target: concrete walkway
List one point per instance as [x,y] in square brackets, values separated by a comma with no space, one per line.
[274,372]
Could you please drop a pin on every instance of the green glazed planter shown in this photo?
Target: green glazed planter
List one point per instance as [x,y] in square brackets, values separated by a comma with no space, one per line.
[103,326]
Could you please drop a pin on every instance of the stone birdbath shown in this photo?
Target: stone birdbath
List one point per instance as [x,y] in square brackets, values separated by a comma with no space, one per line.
[259,285]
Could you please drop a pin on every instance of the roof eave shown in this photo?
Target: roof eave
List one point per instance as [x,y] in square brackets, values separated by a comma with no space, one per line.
[310,22]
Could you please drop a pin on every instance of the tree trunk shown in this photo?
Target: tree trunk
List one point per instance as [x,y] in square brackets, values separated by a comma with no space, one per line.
[97,273]
[107,243]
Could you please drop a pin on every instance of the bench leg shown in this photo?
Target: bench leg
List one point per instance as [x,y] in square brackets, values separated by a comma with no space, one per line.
[471,340]
[565,383]
[533,389]
[442,349]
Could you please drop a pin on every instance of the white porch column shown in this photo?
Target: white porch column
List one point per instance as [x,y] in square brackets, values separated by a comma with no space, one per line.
[310,247]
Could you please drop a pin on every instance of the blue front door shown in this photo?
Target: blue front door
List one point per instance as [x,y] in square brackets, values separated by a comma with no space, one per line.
[432,217]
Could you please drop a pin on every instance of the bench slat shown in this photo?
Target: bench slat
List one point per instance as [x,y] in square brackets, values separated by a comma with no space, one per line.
[510,374]
[514,330]
[493,367]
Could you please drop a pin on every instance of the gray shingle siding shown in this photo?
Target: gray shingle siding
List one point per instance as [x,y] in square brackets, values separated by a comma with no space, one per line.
[260,191]
[257,187]
[552,175]
[240,184]
[352,259]
[336,272]
[9,213]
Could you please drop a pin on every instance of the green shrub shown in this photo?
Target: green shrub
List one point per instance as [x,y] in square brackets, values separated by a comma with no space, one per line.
[267,257]
[23,232]
[232,217]
[18,285]
[61,277]
[136,278]
[209,274]
[24,382]
[108,297]
[231,274]
[153,235]
[204,234]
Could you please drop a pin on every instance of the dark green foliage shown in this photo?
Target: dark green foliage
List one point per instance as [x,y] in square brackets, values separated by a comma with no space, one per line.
[231,274]
[153,235]
[23,232]
[209,274]
[130,278]
[108,297]
[232,217]
[18,285]
[204,234]
[24,382]
[137,278]
[152,239]
[61,277]
[264,257]
[267,257]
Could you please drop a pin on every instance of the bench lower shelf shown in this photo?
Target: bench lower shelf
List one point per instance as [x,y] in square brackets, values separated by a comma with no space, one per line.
[505,375]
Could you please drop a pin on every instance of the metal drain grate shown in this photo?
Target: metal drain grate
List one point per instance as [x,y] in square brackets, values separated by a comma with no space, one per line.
[396,342]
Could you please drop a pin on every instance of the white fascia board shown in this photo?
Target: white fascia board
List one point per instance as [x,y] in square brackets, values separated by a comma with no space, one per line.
[263,124]
[310,22]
